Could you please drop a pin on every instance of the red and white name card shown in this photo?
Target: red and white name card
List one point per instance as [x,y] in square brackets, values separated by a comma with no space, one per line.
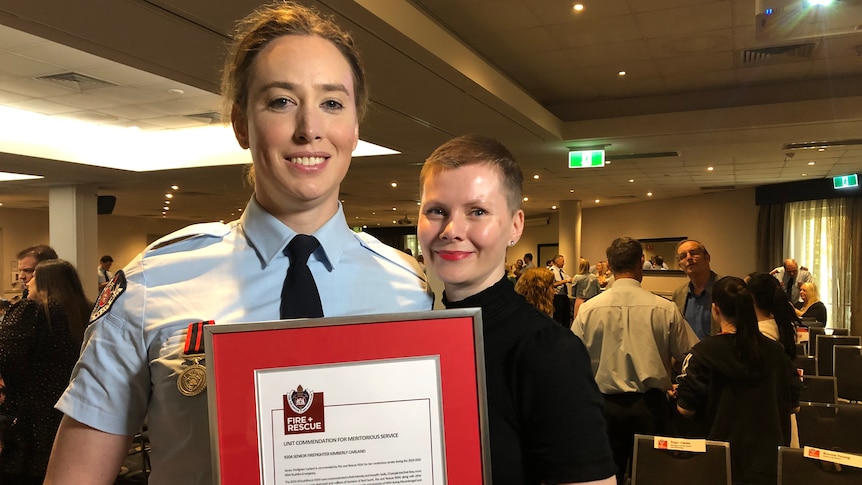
[679,444]
[848,459]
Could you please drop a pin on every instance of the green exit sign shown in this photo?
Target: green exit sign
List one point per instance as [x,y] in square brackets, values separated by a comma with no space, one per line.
[586,158]
[845,181]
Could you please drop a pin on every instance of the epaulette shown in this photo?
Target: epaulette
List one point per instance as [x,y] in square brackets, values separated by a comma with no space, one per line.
[389,253]
[208,229]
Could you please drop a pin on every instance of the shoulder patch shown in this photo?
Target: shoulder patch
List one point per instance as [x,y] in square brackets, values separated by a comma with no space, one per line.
[109,295]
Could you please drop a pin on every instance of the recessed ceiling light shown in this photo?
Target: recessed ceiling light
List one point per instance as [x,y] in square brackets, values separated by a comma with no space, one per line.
[804,174]
[649,194]
[597,201]
[176,92]
[821,149]
[578,7]
[166,208]
[631,180]
[536,177]
[395,208]
[394,184]
[710,169]
[175,187]
[621,73]
[167,202]
[571,191]
[553,207]
[169,196]
[526,199]
[810,163]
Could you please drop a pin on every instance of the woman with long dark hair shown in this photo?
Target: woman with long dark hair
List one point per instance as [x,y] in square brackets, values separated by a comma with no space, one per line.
[40,339]
[776,317]
[740,386]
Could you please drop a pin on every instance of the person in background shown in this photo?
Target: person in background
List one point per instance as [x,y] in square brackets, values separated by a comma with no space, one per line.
[812,308]
[537,287]
[634,338]
[295,89]
[659,263]
[39,344]
[694,298]
[585,285]
[740,386]
[791,277]
[104,271]
[528,261]
[544,410]
[28,259]
[562,303]
[604,274]
[776,317]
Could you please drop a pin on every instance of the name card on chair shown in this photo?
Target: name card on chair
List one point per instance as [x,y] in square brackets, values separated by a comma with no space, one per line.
[848,459]
[679,444]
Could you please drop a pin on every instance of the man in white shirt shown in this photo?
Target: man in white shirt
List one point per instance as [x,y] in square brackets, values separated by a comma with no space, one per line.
[634,339]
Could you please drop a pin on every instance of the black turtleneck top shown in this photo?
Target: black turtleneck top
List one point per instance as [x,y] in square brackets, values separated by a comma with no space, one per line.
[544,408]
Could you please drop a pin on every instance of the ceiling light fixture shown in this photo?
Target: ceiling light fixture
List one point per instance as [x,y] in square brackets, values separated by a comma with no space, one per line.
[526,199]
[710,169]
[621,73]
[631,181]
[394,184]
[579,7]
[553,207]
[810,163]
[175,187]
[597,201]
[536,177]
[649,194]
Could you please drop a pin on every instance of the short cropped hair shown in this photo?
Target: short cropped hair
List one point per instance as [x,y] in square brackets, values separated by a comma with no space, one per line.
[40,252]
[624,255]
[477,149]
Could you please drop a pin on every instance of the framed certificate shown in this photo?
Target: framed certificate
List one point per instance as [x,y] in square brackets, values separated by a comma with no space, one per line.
[394,398]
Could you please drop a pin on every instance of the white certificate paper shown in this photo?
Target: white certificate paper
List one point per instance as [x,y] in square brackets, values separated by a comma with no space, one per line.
[368,422]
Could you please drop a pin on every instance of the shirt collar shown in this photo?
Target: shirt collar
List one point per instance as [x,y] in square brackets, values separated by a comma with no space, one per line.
[269,236]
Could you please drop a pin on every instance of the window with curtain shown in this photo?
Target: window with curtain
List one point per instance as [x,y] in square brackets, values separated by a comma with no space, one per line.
[816,236]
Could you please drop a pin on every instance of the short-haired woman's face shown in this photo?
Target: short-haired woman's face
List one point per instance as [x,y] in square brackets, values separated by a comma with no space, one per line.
[465,226]
[300,122]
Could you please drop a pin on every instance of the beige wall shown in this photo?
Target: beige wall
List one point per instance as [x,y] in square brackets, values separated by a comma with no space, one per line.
[725,222]
[121,237]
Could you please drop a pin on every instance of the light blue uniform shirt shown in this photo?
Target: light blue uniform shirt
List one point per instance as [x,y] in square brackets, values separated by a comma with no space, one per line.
[227,273]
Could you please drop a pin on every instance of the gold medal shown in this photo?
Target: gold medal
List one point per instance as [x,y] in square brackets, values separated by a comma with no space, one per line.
[193,379]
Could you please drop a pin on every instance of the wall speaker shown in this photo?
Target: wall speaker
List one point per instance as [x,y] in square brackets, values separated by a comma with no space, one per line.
[105,204]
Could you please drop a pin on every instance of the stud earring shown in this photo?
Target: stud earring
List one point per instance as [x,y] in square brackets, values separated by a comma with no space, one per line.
[511,243]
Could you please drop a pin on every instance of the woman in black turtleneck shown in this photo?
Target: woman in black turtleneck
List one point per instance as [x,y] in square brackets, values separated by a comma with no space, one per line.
[544,409]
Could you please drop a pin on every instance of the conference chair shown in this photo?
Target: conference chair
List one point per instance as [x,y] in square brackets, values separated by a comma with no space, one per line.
[823,350]
[847,364]
[808,364]
[651,466]
[823,389]
[813,331]
[835,427]
[796,469]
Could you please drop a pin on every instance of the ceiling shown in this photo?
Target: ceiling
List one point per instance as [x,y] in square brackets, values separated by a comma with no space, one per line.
[535,74]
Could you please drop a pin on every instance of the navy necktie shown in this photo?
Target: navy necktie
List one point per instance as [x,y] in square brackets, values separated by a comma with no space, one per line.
[299,295]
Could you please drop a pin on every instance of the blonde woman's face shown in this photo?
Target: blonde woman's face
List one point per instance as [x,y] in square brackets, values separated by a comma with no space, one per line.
[803,294]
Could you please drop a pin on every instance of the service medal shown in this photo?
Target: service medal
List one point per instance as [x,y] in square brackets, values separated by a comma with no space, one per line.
[193,379]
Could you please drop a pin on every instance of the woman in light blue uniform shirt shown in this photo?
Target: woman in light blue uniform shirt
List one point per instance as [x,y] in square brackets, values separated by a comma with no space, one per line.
[296,91]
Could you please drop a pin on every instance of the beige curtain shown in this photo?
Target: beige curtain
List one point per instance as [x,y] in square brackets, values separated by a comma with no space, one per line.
[818,234]
[854,232]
